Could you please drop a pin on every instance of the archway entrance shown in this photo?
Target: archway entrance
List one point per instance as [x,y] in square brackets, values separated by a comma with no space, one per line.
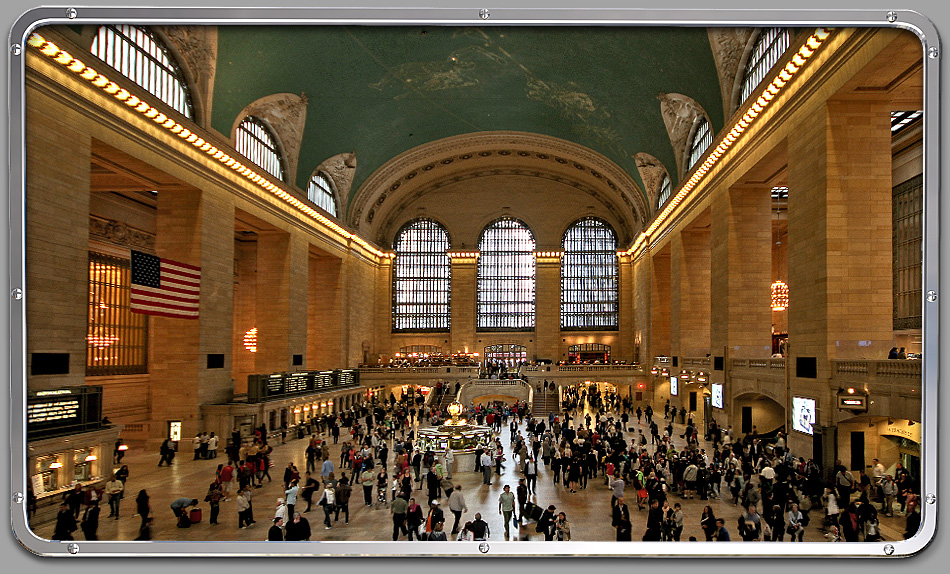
[588,353]
[510,355]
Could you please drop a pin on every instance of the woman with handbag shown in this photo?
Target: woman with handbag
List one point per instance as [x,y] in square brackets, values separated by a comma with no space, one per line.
[328,502]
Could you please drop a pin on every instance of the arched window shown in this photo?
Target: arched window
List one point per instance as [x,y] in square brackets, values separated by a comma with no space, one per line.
[255,142]
[421,277]
[141,57]
[702,137]
[506,276]
[589,276]
[768,48]
[320,192]
[666,189]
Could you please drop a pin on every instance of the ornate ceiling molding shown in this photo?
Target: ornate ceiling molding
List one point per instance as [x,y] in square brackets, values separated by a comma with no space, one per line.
[730,51]
[386,229]
[118,233]
[652,171]
[286,114]
[340,169]
[424,166]
[679,114]
[196,50]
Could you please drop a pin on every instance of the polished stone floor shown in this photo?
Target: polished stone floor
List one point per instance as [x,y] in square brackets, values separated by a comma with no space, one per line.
[587,510]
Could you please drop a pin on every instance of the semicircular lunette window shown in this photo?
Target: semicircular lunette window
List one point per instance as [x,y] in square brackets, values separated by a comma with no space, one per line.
[320,192]
[768,49]
[422,277]
[140,56]
[255,141]
[506,277]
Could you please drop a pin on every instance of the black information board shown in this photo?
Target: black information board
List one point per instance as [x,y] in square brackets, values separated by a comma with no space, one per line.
[262,388]
[67,410]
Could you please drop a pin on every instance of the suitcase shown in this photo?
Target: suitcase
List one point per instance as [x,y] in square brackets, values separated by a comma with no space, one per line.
[195,515]
[533,511]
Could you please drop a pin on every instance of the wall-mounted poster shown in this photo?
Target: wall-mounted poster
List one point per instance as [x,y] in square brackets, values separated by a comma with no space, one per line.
[803,414]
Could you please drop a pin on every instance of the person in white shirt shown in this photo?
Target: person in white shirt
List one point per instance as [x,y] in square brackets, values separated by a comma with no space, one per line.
[486,463]
[449,458]
[212,446]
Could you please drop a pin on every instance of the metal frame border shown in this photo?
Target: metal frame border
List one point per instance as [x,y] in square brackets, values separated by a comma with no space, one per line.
[904,19]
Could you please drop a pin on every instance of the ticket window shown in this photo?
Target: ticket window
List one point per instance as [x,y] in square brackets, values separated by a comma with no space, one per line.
[47,477]
[84,464]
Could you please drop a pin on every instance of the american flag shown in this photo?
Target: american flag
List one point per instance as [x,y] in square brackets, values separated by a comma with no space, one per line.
[164,287]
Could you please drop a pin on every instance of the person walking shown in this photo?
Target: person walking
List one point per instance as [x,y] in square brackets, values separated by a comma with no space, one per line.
[214,499]
[65,523]
[342,492]
[114,490]
[399,507]
[506,507]
[486,466]
[457,506]
[621,521]
[327,501]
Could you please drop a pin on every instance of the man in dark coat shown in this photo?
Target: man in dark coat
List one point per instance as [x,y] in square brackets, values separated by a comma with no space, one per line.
[654,521]
[65,523]
[546,523]
[275,533]
[298,528]
[621,521]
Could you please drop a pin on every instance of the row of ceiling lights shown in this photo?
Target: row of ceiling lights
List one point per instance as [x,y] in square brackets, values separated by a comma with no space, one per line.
[100,81]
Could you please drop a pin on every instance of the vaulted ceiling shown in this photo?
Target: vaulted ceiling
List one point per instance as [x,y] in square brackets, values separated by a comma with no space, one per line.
[378,91]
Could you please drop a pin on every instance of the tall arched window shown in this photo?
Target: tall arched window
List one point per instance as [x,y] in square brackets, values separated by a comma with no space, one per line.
[141,57]
[255,142]
[702,137]
[589,276]
[666,189]
[768,48]
[321,192]
[421,277]
[506,276]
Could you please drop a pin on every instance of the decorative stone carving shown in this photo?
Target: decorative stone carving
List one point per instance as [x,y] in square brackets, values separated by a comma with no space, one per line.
[728,48]
[340,168]
[445,155]
[385,231]
[286,114]
[196,49]
[679,114]
[652,172]
[118,233]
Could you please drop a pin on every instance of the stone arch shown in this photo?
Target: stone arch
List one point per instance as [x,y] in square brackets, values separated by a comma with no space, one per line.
[375,207]
[681,114]
[340,169]
[651,171]
[730,48]
[768,411]
[285,116]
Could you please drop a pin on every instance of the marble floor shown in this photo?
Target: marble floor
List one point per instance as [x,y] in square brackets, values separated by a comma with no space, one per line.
[587,510]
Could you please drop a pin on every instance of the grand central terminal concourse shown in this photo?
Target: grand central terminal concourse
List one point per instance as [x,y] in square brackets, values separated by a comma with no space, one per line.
[375,283]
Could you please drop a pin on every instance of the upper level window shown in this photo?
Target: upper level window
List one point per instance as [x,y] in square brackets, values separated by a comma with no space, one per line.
[320,192]
[141,57]
[116,338]
[768,48]
[421,277]
[255,142]
[506,274]
[702,137]
[589,276]
[666,189]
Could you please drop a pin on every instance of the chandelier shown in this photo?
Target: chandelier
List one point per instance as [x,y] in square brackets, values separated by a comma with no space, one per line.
[779,287]
[779,296]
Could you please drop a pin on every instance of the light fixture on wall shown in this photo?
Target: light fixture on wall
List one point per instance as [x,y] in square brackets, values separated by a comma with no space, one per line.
[779,287]
[250,340]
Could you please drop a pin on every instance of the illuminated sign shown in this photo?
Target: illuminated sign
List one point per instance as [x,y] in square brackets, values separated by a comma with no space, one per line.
[52,411]
[674,386]
[717,395]
[803,414]
[853,402]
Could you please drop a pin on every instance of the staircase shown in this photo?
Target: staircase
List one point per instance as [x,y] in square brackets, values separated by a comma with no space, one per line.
[544,403]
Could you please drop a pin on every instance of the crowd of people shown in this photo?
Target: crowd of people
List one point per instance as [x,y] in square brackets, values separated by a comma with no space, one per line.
[592,442]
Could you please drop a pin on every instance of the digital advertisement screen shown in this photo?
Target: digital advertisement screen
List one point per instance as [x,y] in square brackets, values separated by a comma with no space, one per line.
[674,386]
[717,395]
[803,414]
